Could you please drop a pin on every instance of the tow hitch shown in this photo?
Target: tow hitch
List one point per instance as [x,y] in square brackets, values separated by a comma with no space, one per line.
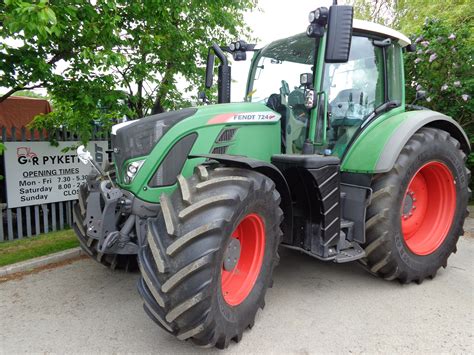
[109,218]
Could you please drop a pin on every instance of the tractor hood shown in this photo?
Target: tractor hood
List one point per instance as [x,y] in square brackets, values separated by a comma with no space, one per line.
[137,138]
[159,145]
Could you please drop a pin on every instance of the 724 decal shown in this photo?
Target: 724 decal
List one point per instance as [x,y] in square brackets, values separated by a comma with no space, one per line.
[253,117]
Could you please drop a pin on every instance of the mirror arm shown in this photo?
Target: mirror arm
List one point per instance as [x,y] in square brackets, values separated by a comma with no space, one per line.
[220,54]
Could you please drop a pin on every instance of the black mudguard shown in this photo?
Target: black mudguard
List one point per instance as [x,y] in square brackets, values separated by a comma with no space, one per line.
[266,169]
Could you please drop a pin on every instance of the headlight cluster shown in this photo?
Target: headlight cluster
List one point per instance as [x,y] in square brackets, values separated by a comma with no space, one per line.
[317,20]
[320,15]
[238,46]
[132,170]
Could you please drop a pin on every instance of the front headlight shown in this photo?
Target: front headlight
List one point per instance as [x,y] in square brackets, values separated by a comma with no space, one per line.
[132,170]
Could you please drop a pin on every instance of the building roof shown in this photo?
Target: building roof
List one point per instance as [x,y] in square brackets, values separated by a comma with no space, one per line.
[375,28]
[19,111]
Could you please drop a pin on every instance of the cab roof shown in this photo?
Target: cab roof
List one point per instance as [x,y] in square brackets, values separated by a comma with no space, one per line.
[300,48]
[375,28]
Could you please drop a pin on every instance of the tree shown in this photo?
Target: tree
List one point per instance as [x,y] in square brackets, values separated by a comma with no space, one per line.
[120,57]
[441,66]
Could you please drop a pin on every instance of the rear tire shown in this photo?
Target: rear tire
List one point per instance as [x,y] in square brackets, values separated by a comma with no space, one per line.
[391,251]
[182,263]
[89,245]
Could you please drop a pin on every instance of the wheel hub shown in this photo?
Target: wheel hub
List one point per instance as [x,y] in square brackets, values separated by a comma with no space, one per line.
[409,205]
[232,254]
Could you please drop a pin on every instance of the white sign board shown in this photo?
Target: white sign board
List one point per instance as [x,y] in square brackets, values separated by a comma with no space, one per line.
[37,172]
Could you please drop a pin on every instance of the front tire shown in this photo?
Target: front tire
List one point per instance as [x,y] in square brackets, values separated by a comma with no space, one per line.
[195,284]
[417,211]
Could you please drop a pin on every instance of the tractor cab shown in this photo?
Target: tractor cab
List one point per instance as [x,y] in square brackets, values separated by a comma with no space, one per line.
[295,76]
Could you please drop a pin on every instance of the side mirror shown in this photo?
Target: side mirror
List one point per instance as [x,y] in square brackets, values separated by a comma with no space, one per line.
[209,69]
[339,33]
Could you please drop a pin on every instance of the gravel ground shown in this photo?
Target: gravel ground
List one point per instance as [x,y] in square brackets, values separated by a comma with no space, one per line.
[314,307]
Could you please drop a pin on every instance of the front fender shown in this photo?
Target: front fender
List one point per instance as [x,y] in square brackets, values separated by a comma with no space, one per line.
[379,145]
[270,171]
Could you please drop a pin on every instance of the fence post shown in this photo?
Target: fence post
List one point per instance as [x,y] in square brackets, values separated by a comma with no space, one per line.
[2,235]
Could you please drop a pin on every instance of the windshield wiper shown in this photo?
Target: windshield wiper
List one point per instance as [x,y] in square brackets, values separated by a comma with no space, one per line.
[386,106]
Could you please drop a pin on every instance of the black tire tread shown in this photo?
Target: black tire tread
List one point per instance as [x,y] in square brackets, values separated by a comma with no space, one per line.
[379,260]
[167,298]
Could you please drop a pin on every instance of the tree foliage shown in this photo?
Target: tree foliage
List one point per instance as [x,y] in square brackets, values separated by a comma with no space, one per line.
[114,56]
[442,66]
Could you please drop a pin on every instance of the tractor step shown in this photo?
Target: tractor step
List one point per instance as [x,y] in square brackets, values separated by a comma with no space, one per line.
[353,253]
[347,227]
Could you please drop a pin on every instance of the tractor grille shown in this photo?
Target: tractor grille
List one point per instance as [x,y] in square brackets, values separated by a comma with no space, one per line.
[226,135]
[220,150]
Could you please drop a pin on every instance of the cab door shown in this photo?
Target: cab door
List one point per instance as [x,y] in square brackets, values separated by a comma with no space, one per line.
[354,89]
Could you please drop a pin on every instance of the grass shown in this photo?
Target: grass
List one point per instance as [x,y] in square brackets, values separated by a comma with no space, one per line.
[44,244]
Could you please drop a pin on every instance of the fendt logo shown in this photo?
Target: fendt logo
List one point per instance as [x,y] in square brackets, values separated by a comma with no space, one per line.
[25,155]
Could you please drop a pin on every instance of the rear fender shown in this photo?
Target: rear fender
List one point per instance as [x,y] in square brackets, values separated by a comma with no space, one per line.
[380,144]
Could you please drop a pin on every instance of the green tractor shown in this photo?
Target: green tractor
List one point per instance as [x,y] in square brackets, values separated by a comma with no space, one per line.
[324,156]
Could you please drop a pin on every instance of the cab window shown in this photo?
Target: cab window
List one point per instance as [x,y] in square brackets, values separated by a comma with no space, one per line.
[275,81]
[354,89]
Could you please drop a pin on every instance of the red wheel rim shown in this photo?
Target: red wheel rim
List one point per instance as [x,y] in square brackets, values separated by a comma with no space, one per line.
[237,283]
[428,208]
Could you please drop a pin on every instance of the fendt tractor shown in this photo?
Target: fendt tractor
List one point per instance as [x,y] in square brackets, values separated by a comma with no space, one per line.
[323,156]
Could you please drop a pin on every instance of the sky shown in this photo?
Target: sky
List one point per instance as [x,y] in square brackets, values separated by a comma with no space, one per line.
[276,19]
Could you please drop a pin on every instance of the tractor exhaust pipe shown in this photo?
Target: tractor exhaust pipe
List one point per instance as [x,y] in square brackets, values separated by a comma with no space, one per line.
[224,73]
